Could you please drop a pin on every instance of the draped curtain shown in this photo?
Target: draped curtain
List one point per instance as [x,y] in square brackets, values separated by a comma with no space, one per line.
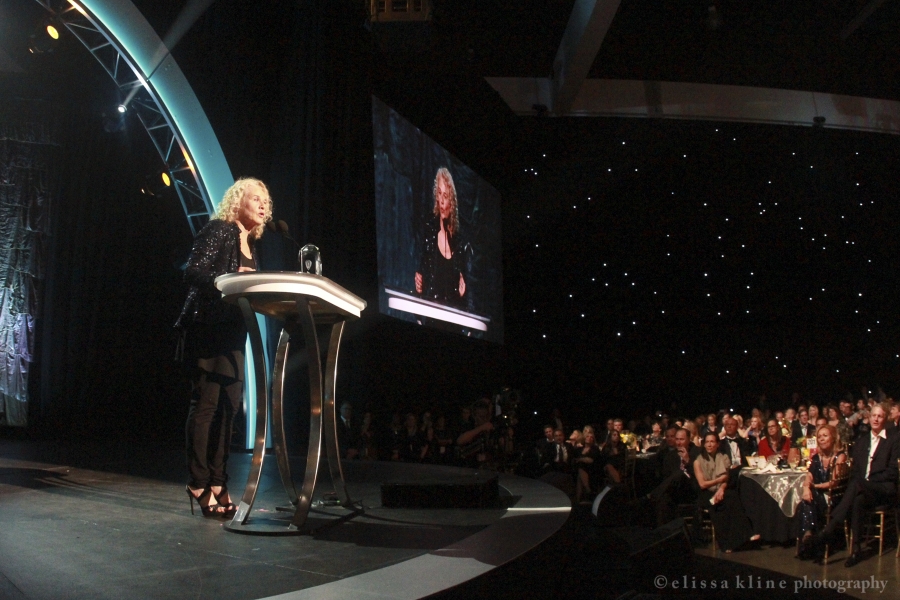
[29,149]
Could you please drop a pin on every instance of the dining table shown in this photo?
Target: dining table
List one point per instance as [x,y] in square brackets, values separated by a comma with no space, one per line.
[771,500]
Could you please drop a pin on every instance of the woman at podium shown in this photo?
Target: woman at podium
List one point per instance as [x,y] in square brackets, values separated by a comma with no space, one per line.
[215,335]
[440,275]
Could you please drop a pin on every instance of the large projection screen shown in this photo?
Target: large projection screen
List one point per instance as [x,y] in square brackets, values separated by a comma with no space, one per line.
[439,260]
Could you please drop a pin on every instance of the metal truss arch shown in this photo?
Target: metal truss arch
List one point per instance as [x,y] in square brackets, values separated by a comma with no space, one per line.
[145,73]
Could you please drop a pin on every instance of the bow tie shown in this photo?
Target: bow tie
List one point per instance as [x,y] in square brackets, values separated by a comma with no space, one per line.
[731,439]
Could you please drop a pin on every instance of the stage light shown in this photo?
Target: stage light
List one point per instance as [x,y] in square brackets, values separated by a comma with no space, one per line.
[121,108]
[166,180]
[52,32]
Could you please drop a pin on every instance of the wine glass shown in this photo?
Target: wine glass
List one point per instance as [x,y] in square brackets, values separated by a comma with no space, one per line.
[793,458]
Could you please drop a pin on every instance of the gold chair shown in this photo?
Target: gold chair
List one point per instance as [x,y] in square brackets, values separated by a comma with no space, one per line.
[630,462]
[840,475]
[877,519]
[688,511]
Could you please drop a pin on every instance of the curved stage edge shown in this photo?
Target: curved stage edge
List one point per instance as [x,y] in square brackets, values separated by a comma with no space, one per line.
[539,511]
[111,521]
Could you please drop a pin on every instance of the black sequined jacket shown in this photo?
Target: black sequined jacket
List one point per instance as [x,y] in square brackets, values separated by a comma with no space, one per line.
[216,251]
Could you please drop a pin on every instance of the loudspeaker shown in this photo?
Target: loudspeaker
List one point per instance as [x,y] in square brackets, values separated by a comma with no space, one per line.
[476,490]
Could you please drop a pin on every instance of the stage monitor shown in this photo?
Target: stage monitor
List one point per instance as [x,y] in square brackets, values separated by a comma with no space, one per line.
[439,233]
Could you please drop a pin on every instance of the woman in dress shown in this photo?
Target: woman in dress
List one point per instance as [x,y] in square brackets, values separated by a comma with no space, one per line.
[215,335]
[836,420]
[711,468]
[819,482]
[440,274]
[774,443]
[654,439]
[813,411]
[613,463]
[587,461]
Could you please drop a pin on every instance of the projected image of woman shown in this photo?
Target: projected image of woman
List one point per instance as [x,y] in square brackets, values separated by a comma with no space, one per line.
[215,338]
[440,275]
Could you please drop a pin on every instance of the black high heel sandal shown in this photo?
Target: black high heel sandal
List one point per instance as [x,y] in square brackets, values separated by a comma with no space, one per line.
[207,511]
[230,508]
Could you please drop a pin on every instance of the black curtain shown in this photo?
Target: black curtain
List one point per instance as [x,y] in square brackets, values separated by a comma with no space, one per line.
[113,288]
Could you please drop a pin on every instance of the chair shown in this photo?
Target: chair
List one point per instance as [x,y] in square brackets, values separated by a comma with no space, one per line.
[877,519]
[840,477]
[688,513]
[628,477]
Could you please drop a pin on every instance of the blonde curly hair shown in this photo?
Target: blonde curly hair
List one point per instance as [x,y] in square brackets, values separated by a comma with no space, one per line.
[444,173]
[230,206]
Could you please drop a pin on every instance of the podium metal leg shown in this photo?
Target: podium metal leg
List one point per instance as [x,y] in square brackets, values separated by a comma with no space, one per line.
[262,407]
[278,437]
[314,452]
[332,449]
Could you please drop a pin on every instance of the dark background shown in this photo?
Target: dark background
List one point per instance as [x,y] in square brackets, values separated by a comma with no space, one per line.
[679,211]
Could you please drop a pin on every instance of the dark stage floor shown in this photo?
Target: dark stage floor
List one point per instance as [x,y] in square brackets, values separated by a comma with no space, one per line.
[113,521]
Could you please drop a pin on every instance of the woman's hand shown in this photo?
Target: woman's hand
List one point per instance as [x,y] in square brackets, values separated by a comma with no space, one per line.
[246,269]
[462,286]
[719,495]
[807,494]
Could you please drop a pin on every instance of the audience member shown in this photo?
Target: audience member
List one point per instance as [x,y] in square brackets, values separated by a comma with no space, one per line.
[774,443]
[712,471]
[820,480]
[873,481]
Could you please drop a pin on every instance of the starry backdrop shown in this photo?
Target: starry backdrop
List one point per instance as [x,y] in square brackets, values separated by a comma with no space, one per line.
[645,262]
[705,264]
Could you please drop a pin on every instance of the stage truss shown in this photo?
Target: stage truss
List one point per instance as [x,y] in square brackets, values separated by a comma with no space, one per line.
[144,102]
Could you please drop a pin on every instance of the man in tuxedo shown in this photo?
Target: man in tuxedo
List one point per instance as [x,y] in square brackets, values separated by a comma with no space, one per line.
[736,448]
[603,439]
[873,481]
[560,456]
[802,427]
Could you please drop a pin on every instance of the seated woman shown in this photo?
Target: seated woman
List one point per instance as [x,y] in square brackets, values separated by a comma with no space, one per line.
[774,442]
[733,528]
[587,462]
[819,482]
[612,466]
[653,440]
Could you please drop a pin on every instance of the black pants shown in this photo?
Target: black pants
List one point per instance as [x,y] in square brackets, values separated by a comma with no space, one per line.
[860,495]
[215,398]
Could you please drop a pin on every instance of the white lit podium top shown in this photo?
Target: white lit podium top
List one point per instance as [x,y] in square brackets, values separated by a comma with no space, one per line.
[273,293]
[426,308]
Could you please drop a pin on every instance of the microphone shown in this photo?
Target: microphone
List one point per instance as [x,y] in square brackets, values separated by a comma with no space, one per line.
[281,227]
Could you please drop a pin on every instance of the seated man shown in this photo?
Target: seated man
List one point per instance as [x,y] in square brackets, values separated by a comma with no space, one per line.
[873,481]
[679,485]
[735,448]
[559,455]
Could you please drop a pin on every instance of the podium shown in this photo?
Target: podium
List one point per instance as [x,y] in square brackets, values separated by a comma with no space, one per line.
[303,302]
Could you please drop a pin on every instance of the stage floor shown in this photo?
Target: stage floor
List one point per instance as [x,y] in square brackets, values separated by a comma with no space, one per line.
[113,521]
[781,560]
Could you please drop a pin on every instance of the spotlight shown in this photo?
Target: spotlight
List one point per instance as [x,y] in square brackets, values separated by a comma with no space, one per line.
[44,39]
[151,186]
[40,44]
[121,108]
